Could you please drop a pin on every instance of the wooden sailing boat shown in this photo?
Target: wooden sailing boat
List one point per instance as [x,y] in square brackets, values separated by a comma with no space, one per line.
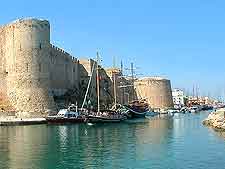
[107,116]
[136,108]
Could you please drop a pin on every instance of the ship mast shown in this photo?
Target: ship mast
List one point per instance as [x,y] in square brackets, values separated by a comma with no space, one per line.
[98,90]
[114,80]
[132,79]
[89,83]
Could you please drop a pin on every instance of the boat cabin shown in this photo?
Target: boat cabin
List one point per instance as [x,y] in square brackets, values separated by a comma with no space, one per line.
[67,114]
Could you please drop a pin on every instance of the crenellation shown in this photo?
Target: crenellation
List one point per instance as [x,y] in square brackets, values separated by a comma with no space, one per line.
[33,71]
[25,52]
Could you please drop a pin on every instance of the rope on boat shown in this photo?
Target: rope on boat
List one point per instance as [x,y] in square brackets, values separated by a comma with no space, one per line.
[89,83]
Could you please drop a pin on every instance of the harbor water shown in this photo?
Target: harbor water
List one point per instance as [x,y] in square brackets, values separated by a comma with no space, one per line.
[166,142]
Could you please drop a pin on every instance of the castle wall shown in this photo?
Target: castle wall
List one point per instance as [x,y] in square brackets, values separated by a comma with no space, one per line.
[64,71]
[26,58]
[123,86]
[85,70]
[156,90]
[32,71]
[105,83]
[2,66]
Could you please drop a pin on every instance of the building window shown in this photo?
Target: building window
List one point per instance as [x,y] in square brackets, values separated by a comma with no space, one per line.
[40,45]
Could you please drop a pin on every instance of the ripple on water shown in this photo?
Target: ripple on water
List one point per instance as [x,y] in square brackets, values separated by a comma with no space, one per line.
[178,142]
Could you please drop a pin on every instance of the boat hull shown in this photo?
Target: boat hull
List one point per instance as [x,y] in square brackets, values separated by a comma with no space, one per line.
[96,119]
[138,115]
[65,120]
[135,114]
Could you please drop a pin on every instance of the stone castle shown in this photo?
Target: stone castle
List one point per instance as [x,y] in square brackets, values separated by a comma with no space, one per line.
[35,75]
[32,70]
[156,90]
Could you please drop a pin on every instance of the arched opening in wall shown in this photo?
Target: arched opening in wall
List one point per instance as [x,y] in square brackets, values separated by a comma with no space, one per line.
[40,46]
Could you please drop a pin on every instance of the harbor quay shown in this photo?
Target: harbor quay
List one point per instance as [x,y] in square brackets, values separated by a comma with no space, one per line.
[38,78]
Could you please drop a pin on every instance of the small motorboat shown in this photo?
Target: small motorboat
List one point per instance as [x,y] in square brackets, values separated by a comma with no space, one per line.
[194,109]
[184,110]
[172,111]
[67,116]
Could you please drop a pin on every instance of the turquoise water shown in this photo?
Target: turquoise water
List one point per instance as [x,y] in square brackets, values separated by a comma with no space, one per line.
[179,142]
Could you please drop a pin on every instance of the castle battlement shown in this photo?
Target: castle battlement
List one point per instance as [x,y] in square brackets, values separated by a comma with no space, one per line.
[34,66]
[39,24]
[33,71]
[59,49]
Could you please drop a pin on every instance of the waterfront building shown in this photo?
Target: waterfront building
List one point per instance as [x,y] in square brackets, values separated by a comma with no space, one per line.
[178,98]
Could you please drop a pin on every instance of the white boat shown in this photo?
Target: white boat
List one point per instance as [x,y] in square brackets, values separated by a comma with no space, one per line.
[194,109]
[170,111]
[67,115]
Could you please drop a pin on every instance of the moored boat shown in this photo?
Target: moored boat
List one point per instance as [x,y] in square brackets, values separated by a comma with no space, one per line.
[103,116]
[136,109]
[194,109]
[134,113]
[173,111]
[106,117]
[67,116]
[207,107]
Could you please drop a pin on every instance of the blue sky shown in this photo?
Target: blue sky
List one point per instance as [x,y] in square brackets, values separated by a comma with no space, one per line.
[181,40]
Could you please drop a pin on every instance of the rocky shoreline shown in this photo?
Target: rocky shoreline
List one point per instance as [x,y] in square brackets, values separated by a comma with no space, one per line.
[216,120]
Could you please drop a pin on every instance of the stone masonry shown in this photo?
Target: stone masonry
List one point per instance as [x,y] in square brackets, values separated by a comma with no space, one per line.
[32,70]
[34,74]
[156,90]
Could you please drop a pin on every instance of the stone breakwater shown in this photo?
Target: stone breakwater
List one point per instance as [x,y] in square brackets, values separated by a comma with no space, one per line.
[216,120]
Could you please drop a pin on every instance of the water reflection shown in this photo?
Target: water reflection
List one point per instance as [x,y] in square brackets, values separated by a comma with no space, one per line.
[161,142]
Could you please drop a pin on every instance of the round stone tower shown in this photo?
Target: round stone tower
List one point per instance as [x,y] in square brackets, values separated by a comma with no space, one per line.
[27,65]
[156,90]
